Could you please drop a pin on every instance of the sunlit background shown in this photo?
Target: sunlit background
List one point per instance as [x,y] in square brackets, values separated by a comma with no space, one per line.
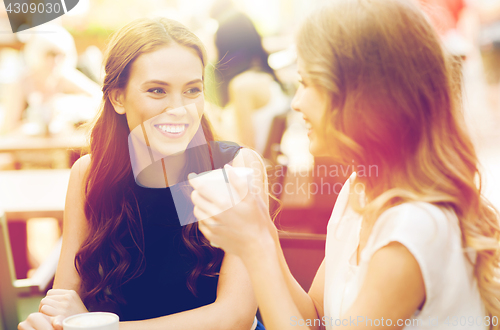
[42,117]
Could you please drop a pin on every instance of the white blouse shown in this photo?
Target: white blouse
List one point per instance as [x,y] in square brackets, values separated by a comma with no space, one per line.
[433,237]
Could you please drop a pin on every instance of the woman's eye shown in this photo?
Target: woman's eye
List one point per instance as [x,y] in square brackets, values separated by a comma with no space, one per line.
[193,91]
[156,91]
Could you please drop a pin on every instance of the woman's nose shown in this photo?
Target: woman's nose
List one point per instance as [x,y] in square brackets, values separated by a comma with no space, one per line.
[178,111]
[295,102]
[176,106]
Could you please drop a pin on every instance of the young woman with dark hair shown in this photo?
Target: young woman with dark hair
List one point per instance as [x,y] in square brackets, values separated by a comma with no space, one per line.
[127,247]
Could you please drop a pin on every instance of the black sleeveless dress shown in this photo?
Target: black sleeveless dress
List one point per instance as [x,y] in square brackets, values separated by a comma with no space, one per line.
[161,289]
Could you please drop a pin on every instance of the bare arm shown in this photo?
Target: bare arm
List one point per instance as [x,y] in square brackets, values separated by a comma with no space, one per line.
[393,289]
[279,306]
[75,228]
[234,308]
[309,305]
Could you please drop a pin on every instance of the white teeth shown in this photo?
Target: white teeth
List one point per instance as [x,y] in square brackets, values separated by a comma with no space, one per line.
[172,128]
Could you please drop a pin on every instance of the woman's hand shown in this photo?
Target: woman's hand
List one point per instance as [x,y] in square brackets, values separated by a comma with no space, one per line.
[37,321]
[238,229]
[60,304]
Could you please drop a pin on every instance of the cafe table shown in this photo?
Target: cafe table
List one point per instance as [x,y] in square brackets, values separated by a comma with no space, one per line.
[29,194]
[65,147]
[19,142]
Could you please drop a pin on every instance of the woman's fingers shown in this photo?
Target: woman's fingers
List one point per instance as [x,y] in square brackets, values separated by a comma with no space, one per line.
[238,184]
[49,310]
[205,230]
[24,325]
[62,302]
[51,300]
[211,192]
[56,292]
[201,214]
[50,307]
[207,207]
[57,322]
[36,321]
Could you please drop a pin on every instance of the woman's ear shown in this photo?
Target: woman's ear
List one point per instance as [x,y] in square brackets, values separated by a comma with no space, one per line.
[116,98]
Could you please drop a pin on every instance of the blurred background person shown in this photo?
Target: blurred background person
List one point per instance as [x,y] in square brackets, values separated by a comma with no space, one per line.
[247,86]
[239,46]
[255,99]
[49,73]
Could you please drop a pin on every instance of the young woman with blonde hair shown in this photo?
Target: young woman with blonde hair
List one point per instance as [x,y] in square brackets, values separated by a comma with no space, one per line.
[416,245]
[128,246]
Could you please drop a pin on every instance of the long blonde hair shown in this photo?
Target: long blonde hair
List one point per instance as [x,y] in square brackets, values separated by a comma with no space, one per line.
[396,104]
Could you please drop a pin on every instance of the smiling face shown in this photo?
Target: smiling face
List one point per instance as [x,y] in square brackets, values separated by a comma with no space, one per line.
[312,102]
[164,94]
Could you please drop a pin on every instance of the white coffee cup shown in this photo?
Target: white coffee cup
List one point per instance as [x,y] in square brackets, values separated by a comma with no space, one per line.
[219,185]
[218,182]
[92,321]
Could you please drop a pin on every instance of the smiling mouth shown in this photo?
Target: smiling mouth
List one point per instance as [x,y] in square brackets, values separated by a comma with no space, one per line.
[172,130]
[308,125]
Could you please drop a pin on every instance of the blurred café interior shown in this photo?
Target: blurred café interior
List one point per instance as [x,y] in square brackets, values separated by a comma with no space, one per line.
[50,78]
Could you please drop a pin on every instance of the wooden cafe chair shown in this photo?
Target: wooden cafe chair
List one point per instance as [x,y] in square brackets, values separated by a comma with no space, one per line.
[11,288]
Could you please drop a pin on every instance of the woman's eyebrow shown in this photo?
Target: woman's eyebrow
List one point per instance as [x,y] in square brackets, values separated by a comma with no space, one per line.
[160,82]
[196,81]
[157,82]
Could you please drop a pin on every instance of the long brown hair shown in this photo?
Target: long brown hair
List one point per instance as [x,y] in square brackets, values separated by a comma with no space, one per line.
[103,263]
[396,106]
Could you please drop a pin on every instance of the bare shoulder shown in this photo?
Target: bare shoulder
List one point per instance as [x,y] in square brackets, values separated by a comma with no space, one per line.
[394,269]
[80,167]
[77,177]
[82,163]
[78,173]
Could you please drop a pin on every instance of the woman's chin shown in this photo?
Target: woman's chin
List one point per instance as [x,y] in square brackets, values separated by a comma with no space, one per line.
[318,150]
[173,150]
[166,149]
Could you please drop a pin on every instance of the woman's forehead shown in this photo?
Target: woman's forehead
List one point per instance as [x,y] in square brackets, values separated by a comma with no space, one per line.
[174,64]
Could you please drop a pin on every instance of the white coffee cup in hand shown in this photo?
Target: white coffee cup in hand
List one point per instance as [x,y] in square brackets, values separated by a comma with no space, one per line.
[218,183]
[92,321]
